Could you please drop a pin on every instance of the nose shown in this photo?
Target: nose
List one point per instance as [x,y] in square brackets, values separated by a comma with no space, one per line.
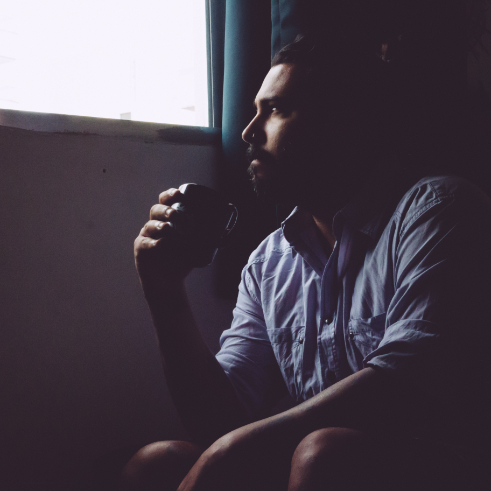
[250,133]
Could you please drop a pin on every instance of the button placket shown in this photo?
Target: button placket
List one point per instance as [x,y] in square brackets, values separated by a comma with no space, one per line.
[328,304]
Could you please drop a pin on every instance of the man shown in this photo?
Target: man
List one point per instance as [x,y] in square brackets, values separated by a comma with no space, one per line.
[369,305]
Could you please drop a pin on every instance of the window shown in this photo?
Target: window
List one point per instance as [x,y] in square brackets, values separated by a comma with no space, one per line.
[142,60]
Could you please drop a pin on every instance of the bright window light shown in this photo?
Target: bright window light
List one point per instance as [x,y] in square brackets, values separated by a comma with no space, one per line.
[143,60]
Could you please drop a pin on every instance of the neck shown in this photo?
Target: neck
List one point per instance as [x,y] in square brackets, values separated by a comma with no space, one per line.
[323,222]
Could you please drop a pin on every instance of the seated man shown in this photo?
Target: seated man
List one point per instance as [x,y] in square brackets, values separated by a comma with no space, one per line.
[369,305]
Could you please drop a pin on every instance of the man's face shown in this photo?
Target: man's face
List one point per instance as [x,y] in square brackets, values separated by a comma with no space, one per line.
[277,133]
[306,143]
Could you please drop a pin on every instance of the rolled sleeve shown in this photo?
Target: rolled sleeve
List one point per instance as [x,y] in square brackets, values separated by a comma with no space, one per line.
[413,350]
[441,279]
[246,354]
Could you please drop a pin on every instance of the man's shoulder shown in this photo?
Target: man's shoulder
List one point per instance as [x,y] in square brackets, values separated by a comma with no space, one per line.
[445,185]
[433,190]
[274,246]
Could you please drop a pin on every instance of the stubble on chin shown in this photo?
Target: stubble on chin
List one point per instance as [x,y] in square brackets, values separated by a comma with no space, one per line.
[277,188]
[259,185]
[280,180]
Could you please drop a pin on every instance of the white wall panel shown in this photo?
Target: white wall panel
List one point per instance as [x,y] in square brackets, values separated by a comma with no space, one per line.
[80,369]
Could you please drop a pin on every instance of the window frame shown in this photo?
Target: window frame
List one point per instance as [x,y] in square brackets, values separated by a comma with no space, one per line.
[119,128]
[126,129]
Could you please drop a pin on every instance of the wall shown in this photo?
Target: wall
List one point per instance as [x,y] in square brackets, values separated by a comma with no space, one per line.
[80,369]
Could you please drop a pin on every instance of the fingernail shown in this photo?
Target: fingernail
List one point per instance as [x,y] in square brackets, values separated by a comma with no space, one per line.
[168,212]
[160,225]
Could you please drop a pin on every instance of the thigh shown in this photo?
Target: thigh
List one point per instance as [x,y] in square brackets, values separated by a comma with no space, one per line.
[426,465]
[345,459]
[159,466]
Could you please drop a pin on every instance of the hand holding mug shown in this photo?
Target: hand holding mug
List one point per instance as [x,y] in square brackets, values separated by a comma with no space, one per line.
[185,230]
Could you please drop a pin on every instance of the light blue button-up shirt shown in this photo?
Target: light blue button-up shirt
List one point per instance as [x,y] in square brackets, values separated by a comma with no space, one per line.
[404,290]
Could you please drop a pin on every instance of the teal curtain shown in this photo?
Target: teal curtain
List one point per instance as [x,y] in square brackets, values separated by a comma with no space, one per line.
[246,62]
[246,55]
[288,18]
[215,15]
[243,36]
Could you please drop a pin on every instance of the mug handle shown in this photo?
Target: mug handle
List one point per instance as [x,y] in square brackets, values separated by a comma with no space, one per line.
[230,225]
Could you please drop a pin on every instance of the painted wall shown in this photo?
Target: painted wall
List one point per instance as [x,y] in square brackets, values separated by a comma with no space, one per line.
[80,369]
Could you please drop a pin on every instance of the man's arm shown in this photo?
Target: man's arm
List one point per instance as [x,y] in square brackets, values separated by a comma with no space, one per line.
[204,397]
[368,400]
[426,378]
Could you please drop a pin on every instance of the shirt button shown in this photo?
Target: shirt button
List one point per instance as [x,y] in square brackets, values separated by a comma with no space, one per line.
[328,320]
[351,334]
[300,340]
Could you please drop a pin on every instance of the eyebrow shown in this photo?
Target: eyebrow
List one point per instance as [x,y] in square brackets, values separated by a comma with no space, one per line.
[269,100]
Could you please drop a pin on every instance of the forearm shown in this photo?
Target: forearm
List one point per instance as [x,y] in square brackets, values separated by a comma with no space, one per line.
[368,400]
[200,389]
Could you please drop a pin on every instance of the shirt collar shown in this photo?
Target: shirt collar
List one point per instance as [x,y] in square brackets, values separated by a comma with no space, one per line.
[298,220]
[356,216]
[368,213]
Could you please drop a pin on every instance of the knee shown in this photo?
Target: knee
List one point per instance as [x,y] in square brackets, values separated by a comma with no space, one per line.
[160,465]
[327,454]
[324,445]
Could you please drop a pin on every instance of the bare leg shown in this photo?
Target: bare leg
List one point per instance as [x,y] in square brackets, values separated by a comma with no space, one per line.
[159,466]
[330,459]
[342,459]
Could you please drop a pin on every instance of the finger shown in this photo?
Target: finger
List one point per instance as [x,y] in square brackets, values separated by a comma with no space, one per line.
[145,243]
[162,213]
[156,229]
[170,196]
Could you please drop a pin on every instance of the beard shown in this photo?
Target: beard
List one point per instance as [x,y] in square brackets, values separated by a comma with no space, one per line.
[264,187]
[305,175]
[297,176]
[279,184]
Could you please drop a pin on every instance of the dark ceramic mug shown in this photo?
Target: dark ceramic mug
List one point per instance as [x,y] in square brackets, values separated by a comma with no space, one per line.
[203,224]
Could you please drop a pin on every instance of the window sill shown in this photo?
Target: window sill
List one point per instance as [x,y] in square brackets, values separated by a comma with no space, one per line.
[127,130]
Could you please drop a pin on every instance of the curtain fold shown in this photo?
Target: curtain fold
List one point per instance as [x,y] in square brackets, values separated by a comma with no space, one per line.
[246,60]
[286,22]
[215,14]
[243,38]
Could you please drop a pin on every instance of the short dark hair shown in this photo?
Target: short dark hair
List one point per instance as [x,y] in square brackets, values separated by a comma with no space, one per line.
[337,72]
[401,71]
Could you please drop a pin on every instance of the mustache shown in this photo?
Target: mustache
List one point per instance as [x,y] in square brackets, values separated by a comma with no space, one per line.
[253,152]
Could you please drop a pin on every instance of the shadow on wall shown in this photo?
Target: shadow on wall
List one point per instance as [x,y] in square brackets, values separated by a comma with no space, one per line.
[81,374]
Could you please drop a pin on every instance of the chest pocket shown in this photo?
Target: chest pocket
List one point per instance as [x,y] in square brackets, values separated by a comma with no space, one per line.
[287,343]
[366,334]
